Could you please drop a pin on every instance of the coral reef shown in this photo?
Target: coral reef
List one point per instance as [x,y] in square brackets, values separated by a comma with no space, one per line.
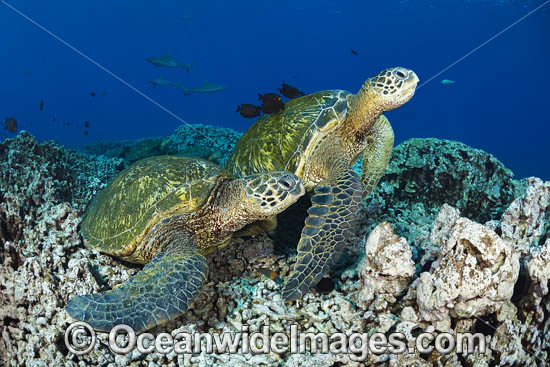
[424,174]
[441,271]
[197,140]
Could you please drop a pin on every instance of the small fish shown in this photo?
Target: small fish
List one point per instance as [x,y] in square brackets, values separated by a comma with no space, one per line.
[354,52]
[163,82]
[11,124]
[103,93]
[85,132]
[92,94]
[271,102]
[290,92]
[67,123]
[270,274]
[41,105]
[86,123]
[207,87]
[447,81]
[53,119]
[249,110]
[167,61]
[185,18]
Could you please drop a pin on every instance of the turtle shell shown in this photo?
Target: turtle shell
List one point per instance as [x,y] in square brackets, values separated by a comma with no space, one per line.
[143,194]
[278,141]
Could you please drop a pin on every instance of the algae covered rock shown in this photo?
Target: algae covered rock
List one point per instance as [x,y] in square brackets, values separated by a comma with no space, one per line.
[197,140]
[218,142]
[34,175]
[424,174]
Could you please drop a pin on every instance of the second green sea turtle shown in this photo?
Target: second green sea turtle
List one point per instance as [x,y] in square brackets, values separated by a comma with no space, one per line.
[169,212]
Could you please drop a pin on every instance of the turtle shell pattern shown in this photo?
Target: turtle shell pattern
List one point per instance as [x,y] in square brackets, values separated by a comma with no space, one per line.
[143,194]
[285,136]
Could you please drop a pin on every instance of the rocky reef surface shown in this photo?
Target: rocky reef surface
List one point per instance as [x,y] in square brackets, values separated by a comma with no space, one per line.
[197,140]
[449,242]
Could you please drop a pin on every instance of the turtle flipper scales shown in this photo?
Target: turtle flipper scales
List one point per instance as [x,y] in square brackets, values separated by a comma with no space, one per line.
[334,211]
[160,292]
[377,154]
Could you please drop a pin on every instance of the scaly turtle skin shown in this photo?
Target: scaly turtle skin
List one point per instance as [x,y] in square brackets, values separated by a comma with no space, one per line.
[169,212]
[319,137]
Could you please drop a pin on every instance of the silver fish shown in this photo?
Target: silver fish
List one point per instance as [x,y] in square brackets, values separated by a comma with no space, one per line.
[207,87]
[167,61]
[163,82]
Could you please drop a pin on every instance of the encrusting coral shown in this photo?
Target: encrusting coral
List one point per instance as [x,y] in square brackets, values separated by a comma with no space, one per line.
[474,274]
[387,268]
[433,267]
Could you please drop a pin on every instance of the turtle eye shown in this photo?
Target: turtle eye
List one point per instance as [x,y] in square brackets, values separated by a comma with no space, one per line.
[284,184]
[401,75]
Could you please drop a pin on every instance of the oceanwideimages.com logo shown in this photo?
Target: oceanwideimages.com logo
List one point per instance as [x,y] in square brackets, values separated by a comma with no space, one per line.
[80,338]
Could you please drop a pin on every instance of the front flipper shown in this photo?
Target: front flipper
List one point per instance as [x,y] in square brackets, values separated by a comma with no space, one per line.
[161,291]
[334,210]
[377,154]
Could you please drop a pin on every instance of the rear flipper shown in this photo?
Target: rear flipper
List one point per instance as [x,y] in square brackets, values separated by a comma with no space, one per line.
[160,292]
[334,211]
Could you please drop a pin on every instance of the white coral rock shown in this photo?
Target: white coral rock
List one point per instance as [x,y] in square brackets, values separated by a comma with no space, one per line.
[387,267]
[474,274]
[523,223]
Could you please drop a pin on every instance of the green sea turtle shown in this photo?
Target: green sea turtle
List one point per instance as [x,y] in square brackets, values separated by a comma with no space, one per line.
[169,212]
[319,137]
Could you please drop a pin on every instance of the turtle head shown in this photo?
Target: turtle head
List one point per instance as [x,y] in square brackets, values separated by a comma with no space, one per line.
[270,193]
[391,88]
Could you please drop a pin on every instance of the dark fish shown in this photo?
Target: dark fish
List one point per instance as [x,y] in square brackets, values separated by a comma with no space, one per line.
[271,102]
[87,123]
[290,92]
[53,119]
[354,52]
[249,110]
[92,94]
[11,124]
[85,132]
[103,93]
[41,105]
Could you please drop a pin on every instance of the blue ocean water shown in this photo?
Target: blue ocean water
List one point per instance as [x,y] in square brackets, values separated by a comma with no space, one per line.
[499,101]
